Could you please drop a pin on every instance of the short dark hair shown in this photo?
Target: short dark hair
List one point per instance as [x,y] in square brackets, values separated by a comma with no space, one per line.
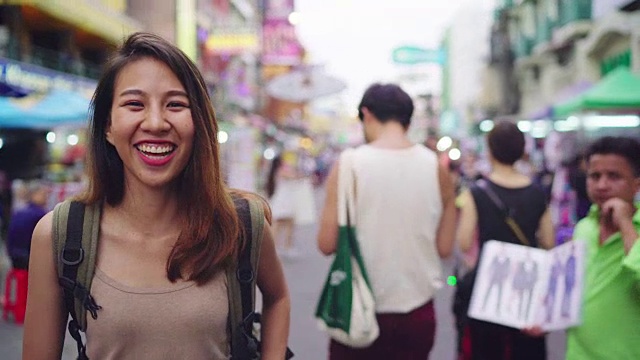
[628,148]
[506,142]
[387,102]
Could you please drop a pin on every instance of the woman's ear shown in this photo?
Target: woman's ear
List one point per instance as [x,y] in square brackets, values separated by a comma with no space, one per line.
[108,134]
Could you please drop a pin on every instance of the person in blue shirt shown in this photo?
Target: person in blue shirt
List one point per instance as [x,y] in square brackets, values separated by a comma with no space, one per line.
[22,223]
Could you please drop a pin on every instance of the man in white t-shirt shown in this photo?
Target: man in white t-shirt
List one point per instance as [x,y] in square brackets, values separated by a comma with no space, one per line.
[405,221]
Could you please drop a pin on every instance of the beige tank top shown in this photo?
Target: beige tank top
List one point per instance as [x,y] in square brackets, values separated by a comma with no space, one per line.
[181,321]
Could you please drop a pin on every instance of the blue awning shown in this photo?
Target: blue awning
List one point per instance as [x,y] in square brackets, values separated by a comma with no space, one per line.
[9,90]
[56,108]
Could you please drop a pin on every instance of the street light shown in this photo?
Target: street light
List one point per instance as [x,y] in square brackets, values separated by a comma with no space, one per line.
[223,136]
[486,125]
[72,139]
[294,18]
[269,154]
[444,143]
[454,154]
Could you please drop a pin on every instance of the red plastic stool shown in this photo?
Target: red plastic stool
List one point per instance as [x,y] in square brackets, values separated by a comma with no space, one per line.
[16,304]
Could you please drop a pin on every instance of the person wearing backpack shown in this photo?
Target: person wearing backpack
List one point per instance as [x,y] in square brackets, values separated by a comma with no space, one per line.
[168,232]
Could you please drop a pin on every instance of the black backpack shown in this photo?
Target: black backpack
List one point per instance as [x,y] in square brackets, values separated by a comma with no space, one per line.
[75,234]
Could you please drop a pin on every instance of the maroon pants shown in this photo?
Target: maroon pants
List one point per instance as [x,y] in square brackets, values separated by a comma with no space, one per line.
[408,336]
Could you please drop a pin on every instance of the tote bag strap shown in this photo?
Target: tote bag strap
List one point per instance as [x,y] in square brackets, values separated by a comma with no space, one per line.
[347,206]
[346,189]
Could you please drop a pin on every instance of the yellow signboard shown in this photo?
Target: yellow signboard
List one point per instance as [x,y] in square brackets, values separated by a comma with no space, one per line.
[226,43]
[104,21]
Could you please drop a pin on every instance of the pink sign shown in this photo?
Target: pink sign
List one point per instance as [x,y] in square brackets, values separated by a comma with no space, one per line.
[278,9]
[280,43]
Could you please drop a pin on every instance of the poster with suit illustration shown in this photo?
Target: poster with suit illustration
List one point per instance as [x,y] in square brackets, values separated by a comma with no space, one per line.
[520,286]
[561,302]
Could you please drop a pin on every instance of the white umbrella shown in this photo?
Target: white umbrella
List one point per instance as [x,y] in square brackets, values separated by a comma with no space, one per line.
[303,85]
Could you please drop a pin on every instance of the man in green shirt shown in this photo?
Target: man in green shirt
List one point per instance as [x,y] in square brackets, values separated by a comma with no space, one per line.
[610,326]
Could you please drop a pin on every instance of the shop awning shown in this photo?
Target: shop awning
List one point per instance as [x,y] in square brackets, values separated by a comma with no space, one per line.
[9,90]
[617,91]
[569,92]
[91,16]
[56,108]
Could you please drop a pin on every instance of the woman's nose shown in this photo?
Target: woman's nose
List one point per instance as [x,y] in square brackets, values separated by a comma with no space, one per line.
[155,120]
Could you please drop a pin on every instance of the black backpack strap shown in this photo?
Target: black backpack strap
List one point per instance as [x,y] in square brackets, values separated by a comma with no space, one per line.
[245,274]
[242,277]
[75,240]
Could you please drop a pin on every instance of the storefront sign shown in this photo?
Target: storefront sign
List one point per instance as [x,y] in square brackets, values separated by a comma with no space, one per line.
[278,9]
[232,43]
[39,79]
[416,55]
[280,43]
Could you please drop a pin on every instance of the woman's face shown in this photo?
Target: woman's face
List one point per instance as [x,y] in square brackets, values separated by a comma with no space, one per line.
[151,125]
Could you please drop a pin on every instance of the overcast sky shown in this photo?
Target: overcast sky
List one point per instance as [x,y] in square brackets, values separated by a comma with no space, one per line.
[354,39]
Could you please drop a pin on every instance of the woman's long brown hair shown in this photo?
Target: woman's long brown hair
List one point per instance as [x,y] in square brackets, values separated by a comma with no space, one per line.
[208,239]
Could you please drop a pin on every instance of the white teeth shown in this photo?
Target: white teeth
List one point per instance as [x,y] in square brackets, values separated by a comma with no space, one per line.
[155,149]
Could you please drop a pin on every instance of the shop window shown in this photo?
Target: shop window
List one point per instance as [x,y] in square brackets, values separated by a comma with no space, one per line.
[574,10]
[535,73]
[565,55]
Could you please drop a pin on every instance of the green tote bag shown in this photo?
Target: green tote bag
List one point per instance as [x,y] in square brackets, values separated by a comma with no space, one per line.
[346,309]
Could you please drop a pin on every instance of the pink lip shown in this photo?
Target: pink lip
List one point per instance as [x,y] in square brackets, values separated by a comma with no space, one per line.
[160,161]
[156,162]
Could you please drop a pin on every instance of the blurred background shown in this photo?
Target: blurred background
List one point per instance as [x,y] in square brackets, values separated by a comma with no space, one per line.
[286,78]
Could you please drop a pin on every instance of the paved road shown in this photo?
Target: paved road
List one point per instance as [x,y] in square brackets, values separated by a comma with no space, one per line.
[305,275]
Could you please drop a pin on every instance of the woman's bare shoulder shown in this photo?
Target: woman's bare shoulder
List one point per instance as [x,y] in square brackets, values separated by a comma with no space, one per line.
[43,232]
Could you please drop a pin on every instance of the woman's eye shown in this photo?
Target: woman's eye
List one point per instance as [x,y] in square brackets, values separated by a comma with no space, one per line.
[133,104]
[176,104]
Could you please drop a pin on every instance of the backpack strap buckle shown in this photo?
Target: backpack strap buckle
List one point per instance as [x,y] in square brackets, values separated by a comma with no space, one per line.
[245,275]
[81,293]
[77,255]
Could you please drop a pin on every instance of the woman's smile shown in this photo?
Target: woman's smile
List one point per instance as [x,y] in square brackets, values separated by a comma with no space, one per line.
[156,153]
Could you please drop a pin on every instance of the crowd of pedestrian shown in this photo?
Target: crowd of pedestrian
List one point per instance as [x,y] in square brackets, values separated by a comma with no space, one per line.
[406,223]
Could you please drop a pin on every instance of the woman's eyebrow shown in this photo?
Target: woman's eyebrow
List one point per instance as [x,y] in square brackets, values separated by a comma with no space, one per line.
[177,93]
[131,92]
[140,92]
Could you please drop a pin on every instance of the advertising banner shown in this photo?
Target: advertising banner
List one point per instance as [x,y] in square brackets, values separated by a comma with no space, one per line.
[280,43]
[278,9]
[40,79]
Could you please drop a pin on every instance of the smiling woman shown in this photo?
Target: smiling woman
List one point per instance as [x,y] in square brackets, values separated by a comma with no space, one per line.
[167,228]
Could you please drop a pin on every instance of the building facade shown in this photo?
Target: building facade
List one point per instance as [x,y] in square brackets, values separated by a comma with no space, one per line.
[63,40]
[466,44]
[562,47]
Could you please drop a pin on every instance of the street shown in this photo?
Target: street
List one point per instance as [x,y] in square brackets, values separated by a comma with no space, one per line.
[305,275]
